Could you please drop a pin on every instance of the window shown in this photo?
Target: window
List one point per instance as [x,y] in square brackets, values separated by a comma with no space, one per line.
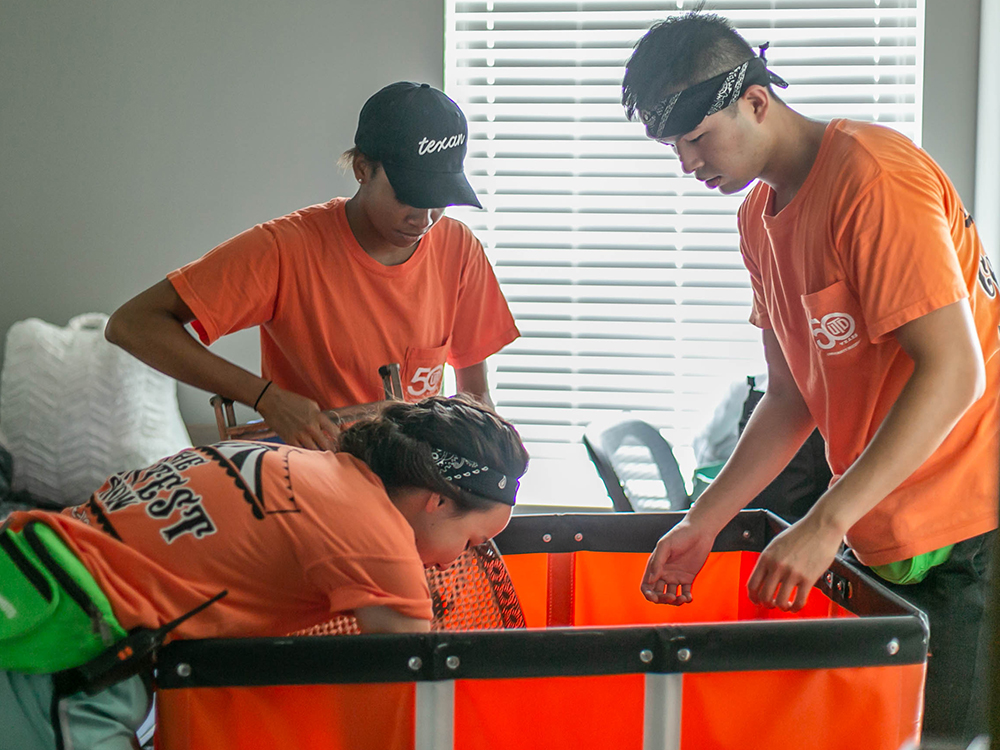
[624,275]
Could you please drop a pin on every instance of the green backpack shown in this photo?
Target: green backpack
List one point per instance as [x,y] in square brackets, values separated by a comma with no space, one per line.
[53,615]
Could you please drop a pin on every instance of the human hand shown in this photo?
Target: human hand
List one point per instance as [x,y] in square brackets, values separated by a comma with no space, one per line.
[791,564]
[297,420]
[675,562]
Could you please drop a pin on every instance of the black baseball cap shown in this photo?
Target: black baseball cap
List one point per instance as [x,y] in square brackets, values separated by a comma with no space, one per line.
[420,136]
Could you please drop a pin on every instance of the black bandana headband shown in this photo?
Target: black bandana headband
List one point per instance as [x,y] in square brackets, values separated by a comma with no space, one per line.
[682,112]
[477,479]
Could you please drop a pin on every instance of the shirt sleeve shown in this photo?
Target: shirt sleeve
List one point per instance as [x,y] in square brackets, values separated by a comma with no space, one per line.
[898,252]
[483,323]
[371,581]
[758,311]
[232,287]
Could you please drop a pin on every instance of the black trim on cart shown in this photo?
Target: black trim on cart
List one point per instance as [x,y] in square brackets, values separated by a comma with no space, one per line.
[553,652]
[625,532]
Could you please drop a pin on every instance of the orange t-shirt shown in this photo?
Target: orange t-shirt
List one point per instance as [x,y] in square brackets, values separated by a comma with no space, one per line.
[294,536]
[876,237]
[330,315]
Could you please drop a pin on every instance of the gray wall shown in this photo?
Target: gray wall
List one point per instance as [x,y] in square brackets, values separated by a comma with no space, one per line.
[951,89]
[137,135]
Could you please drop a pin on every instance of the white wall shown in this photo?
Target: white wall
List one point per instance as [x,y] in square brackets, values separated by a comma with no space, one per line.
[137,135]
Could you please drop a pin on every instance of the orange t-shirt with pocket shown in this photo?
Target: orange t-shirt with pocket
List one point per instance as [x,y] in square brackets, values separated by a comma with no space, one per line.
[330,315]
[876,237]
[293,535]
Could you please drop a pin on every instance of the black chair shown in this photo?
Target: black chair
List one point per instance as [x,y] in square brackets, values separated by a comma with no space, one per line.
[637,466]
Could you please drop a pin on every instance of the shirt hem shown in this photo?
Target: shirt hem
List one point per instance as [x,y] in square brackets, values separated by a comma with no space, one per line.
[884,327]
[929,544]
[478,355]
[207,331]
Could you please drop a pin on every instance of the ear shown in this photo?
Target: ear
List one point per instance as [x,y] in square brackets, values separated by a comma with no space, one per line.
[759,99]
[362,169]
[436,502]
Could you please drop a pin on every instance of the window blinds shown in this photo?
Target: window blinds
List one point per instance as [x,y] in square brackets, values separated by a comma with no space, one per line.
[624,275]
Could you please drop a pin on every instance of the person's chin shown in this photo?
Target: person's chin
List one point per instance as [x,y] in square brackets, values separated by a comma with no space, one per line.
[733,186]
[400,239]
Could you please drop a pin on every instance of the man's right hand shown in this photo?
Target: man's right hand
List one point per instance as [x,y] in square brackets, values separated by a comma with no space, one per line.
[677,559]
[297,420]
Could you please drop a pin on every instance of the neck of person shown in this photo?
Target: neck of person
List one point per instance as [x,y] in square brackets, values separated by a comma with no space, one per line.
[374,245]
[794,145]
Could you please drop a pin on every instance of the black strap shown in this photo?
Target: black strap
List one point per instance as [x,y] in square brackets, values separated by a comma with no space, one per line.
[71,587]
[29,571]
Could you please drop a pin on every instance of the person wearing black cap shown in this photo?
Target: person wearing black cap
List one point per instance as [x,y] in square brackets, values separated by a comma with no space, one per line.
[879,313]
[341,288]
[292,536]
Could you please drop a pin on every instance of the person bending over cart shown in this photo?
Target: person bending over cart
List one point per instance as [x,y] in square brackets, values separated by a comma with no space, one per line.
[341,288]
[291,535]
[879,313]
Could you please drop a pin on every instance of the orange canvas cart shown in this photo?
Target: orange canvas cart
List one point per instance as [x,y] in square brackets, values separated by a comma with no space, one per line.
[597,667]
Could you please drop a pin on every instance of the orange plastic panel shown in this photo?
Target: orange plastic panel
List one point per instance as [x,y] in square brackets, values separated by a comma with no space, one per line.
[287,717]
[874,708]
[554,713]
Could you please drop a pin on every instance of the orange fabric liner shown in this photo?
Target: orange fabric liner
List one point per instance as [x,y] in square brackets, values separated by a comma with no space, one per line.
[605,591]
[554,713]
[287,717]
[875,708]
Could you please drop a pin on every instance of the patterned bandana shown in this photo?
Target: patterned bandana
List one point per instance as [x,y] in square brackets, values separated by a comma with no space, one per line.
[479,480]
[682,112]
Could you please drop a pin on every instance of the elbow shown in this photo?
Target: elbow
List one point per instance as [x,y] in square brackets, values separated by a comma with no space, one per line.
[978,386]
[971,382]
[114,331]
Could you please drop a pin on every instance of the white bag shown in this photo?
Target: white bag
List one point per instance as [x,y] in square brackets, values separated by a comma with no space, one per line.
[76,409]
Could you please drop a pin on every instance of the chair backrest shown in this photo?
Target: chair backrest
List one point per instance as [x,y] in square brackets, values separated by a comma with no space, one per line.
[637,466]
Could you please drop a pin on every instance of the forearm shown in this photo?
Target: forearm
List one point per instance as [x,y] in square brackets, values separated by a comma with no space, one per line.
[779,425]
[474,381]
[159,339]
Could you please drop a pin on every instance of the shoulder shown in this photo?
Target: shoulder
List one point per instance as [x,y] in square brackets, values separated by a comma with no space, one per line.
[305,223]
[750,213]
[865,153]
[452,236]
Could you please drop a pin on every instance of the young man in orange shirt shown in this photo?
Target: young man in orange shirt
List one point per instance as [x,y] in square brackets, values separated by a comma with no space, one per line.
[342,288]
[879,314]
[294,536]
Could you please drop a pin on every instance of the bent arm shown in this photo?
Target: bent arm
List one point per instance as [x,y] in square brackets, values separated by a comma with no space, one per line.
[150,326]
[388,620]
[948,377]
[474,381]
[779,425]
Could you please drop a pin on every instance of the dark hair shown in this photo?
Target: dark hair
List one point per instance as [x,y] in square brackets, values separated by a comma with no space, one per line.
[347,159]
[680,52]
[397,445]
